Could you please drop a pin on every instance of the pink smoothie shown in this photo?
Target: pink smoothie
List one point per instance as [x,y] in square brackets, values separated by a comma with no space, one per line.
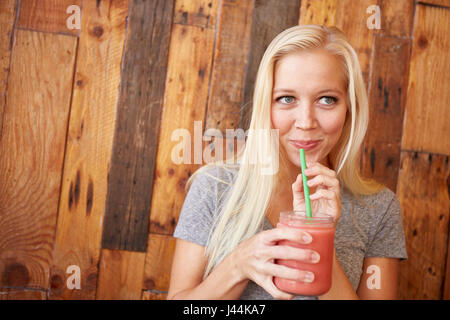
[323,243]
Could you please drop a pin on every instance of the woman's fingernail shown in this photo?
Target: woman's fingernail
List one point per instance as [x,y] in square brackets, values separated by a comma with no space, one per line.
[309,277]
[306,238]
[314,257]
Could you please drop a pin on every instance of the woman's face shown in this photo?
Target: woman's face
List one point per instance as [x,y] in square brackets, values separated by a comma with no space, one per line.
[309,104]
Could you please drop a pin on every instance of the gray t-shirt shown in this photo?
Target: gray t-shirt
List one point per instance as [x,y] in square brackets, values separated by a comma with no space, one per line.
[372,229]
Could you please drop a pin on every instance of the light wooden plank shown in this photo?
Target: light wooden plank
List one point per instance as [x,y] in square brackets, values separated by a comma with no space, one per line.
[89,147]
[149,295]
[351,18]
[427,118]
[200,13]
[158,262]
[48,15]
[232,45]
[381,151]
[120,275]
[318,12]
[424,197]
[31,155]
[184,102]
[8,9]
[20,294]
[444,3]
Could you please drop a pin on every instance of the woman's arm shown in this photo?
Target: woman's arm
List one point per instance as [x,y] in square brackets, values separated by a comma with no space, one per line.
[189,263]
[253,259]
[386,269]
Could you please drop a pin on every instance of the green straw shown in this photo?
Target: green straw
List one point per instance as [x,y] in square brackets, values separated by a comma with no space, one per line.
[305,183]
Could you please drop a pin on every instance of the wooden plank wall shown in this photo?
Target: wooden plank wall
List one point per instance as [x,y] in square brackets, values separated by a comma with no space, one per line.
[90,117]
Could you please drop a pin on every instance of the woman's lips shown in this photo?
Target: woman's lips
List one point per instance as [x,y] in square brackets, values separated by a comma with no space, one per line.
[305,144]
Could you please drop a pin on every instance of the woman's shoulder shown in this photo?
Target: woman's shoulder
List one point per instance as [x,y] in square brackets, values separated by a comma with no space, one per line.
[216,174]
[379,201]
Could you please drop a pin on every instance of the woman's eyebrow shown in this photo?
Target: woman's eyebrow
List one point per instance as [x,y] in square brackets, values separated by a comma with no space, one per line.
[293,91]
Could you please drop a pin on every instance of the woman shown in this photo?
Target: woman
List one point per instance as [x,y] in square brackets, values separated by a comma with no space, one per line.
[310,89]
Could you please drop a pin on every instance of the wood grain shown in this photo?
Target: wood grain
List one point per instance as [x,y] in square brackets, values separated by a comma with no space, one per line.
[16,294]
[47,15]
[200,13]
[138,119]
[120,275]
[444,3]
[396,18]
[184,102]
[232,45]
[270,17]
[318,12]
[149,295]
[359,36]
[427,118]
[89,147]
[158,262]
[8,9]
[31,156]
[381,150]
[424,197]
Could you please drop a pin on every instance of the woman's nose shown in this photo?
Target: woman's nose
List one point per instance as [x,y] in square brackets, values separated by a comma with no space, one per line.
[305,117]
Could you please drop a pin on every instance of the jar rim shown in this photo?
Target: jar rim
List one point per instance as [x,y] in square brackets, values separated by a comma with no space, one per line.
[300,215]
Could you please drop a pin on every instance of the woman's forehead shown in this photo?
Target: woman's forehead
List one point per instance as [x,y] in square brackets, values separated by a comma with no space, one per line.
[313,69]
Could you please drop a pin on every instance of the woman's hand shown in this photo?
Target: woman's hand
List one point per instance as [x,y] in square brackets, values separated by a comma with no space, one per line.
[326,198]
[255,258]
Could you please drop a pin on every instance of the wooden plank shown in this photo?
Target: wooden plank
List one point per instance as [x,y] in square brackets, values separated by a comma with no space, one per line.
[424,197]
[158,262]
[427,118]
[444,3]
[149,295]
[200,13]
[351,18]
[120,276]
[232,44]
[15,294]
[185,102]
[270,17]
[396,17]
[31,156]
[136,136]
[47,15]
[8,9]
[381,151]
[89,147]
[318,12]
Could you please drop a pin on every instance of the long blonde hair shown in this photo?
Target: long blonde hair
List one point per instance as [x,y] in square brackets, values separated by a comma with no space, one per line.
[243,214]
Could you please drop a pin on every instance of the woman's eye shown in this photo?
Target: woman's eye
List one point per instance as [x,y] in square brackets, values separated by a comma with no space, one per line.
[328,100]
[287,99]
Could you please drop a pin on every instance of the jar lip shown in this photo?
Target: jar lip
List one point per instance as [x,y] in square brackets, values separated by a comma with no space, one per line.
[300,215]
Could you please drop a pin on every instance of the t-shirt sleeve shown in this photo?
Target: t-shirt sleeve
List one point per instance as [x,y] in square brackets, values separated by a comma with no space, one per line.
[196,216]
[389,237]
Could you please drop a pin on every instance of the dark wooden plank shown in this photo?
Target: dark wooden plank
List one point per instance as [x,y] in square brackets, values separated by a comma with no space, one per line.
[89,147]
[270,17]
[381,151]
[396,17]
[424,196]
[137,129]
[232,44]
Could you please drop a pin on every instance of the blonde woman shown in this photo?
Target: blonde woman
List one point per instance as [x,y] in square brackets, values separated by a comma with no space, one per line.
[309,94]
